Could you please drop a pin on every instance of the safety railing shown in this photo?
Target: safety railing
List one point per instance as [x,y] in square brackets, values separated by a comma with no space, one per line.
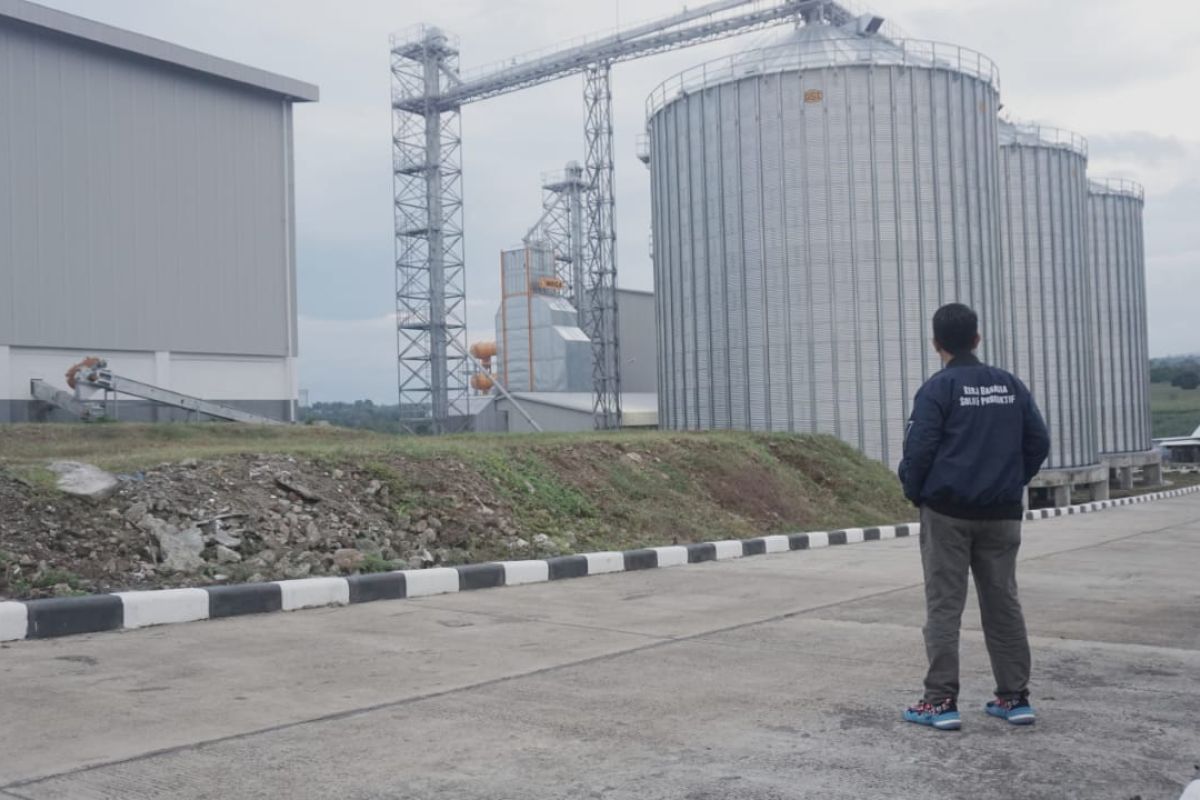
[1034,133]
[1121,186]
[850,51]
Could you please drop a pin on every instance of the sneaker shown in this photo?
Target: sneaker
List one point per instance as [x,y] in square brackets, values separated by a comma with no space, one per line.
[1016,710]
[943,716]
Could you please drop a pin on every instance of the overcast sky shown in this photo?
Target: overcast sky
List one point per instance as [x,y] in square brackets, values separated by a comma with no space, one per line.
[1122,72]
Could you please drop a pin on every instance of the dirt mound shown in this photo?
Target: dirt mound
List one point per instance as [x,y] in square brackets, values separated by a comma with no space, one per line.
[318,505]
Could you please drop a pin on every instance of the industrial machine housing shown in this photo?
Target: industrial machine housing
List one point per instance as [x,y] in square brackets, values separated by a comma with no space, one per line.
[146,216]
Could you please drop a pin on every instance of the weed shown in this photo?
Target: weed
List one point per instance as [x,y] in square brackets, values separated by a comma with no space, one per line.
[375,563]
[53,577]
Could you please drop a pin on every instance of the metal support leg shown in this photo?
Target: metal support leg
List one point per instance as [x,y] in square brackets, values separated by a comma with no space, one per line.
[601,253]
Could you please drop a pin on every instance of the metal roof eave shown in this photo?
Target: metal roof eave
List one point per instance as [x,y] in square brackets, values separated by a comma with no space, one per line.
[80,28]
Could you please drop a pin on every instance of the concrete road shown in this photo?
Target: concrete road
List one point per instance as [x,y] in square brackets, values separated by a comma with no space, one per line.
[770,677]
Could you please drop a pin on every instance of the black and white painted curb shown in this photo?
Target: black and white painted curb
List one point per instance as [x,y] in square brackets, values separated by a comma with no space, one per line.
[43,619]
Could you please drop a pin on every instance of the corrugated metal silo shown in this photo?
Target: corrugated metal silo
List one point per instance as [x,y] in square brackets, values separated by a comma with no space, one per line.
[813,204]
[1043,211]
[1122,347]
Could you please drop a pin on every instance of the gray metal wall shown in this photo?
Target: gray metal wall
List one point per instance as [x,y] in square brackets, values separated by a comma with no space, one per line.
[1044,210]
[807,224]
[639,341]
[1122,353]
[142,207]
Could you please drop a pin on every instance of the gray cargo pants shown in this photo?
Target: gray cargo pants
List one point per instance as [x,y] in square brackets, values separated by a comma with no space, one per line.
[949,546]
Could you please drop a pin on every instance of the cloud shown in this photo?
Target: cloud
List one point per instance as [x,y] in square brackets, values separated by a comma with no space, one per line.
[350,359]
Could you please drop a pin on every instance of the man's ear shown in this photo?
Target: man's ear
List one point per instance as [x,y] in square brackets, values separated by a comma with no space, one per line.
[975,343]
[937,347]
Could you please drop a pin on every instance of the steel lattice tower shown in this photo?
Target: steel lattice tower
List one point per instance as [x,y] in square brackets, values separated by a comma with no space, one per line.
[430,287]
[600,253]
[428,92]
[561,227]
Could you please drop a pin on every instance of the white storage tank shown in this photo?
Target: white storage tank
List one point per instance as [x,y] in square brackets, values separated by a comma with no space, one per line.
[1044,208]
[814,203]
[1122,354]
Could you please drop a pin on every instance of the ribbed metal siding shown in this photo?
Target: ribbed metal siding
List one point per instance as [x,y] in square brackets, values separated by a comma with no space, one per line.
[142,207]
[1122,351]
[832,232]
[1044,242]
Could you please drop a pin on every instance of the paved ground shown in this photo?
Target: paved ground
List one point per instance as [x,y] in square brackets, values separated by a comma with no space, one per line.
[771,677]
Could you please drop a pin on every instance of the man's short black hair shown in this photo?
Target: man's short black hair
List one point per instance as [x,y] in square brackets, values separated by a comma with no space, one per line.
[955,327]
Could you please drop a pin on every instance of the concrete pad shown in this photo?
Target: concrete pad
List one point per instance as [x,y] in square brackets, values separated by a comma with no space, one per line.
[769,677]
[831,732]
[97,698]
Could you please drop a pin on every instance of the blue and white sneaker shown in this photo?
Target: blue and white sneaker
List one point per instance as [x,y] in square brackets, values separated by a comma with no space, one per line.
[1016,710]
[943,716]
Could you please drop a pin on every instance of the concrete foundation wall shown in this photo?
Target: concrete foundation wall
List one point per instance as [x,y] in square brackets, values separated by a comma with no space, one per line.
[262,384]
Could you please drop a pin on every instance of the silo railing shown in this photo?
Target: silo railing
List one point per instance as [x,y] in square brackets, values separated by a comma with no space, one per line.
[1121,186]
[790,57]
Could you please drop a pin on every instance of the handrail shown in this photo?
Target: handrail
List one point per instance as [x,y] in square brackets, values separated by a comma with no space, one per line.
[1043,135]
[793,56]
[1117,186]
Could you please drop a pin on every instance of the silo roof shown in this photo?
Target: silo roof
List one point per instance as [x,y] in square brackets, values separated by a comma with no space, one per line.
[1122,187]
[818,45]
[69,26]
[1032,134]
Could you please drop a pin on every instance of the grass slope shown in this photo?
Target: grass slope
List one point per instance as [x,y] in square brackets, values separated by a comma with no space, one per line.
[609,491]
[1173,411]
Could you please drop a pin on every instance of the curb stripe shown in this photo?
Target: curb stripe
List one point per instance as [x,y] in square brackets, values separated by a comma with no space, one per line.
[313,593]
[63,616]
[435,580]
[673,556]
[599,563]
[14,620]
[640,559]
[244,598]
[480,576]
[163,607]
[730,548]
[377,586]
[567,567]
[776,544]
[754,547]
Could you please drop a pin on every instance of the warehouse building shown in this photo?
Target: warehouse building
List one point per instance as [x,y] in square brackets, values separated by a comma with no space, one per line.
[146,216]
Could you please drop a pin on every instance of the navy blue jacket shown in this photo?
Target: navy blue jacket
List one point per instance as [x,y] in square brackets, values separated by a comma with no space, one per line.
[974,441]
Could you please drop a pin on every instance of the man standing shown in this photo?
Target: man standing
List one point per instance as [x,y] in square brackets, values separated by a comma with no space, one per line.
[974,441]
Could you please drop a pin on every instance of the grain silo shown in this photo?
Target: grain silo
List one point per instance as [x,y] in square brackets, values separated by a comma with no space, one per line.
[1043,212]
[814,203]
[1122,354]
